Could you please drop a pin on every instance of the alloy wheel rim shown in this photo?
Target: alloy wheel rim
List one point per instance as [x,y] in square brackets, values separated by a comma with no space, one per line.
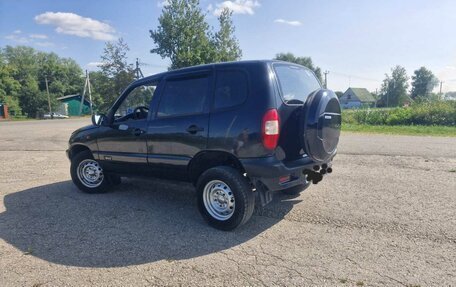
[219,200]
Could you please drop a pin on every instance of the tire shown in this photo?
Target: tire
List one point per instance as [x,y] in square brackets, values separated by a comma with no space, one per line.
[295,190]
[98,182]
[224,184]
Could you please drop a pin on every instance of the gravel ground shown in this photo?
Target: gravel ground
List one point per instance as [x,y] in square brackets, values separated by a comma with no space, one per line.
[386,216]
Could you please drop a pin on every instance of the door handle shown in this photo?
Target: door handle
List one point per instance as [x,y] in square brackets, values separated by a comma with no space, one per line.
[193,129]
[138,132]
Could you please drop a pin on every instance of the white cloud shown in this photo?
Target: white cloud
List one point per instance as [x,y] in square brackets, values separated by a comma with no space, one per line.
[38,36]
[237,6]
[16,38]
[94,64]
[287,22]
[44,44]
[74,24]
[163,3]
[32,39]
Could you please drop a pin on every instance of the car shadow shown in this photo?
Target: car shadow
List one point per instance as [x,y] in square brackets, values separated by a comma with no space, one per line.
[139,222]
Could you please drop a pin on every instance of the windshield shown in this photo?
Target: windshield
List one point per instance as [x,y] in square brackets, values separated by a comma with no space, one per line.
[296,83]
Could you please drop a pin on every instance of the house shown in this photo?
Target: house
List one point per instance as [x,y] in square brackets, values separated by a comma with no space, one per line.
[71,104]
[356,98]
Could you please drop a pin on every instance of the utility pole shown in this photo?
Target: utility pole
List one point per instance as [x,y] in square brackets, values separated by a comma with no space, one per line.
[326,78]
[441,83]
[138,72]
[90,92]
[87,88]
[49,97]
[376,97]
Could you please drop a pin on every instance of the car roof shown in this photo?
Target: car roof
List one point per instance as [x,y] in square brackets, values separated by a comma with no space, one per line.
[213,65]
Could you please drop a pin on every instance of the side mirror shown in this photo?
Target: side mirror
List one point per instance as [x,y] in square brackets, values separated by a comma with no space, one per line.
[98,119]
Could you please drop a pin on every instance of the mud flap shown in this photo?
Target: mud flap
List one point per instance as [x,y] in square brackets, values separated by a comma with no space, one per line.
[264,193]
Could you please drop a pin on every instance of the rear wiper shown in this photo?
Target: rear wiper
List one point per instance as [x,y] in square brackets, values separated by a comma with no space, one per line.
[294,102]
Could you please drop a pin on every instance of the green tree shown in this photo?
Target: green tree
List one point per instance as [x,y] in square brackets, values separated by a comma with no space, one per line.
[100,84]
[184,36]
[450,96]
[23,73]
[423,82]
[9,89]
[116,73]
[339,94]
[225,42]
[303,61]
[394,88]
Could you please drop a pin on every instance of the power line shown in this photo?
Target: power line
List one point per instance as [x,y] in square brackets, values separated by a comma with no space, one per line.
[355,76]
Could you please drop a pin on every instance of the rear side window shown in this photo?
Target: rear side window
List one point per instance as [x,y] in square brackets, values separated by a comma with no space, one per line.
[231,89]
[296,83]
[183,96]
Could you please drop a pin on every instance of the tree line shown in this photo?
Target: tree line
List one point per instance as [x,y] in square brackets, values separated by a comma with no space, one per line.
[23,75]
[394,89]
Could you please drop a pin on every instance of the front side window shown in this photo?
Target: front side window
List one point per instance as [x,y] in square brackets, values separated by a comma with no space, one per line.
[183,96]
[296,83]
[136,105]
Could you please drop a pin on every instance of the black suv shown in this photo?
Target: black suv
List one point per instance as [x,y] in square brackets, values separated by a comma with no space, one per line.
[232,129]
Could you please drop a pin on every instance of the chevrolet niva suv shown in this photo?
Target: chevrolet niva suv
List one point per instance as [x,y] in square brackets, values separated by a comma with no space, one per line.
[235,130]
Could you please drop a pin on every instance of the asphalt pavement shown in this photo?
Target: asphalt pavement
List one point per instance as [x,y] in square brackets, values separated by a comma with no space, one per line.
[386,216]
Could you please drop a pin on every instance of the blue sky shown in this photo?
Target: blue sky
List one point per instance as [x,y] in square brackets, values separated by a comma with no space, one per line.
[356,41]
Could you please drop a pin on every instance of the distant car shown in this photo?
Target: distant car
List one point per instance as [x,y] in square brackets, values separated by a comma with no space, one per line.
[236,130]
[54,116]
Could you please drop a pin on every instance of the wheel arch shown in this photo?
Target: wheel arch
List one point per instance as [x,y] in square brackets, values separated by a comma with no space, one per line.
[76,149]
[207,159]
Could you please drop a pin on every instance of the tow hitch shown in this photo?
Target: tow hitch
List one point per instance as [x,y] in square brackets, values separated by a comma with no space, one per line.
[316,175]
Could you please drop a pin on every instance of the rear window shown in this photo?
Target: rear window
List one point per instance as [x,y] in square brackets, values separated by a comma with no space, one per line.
[296,83]
[230,89]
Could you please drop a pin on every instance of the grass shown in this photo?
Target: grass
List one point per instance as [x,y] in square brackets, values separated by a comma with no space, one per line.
[443,131]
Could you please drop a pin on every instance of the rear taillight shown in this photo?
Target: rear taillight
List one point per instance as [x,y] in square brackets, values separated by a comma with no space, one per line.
[270,129]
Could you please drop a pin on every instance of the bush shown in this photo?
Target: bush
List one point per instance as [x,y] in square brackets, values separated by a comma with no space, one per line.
[431,113]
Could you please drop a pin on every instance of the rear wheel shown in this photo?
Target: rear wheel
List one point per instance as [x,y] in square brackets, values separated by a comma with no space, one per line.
[87,174]
[225,199]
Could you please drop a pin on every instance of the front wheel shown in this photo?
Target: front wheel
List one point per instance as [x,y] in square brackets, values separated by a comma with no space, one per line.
[87,174]
[225,198]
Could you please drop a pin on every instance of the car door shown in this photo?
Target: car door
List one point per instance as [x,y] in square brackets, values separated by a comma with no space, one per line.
[179,128]
[122,144]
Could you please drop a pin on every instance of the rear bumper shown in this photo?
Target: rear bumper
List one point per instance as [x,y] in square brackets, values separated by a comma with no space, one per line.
[270,170]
